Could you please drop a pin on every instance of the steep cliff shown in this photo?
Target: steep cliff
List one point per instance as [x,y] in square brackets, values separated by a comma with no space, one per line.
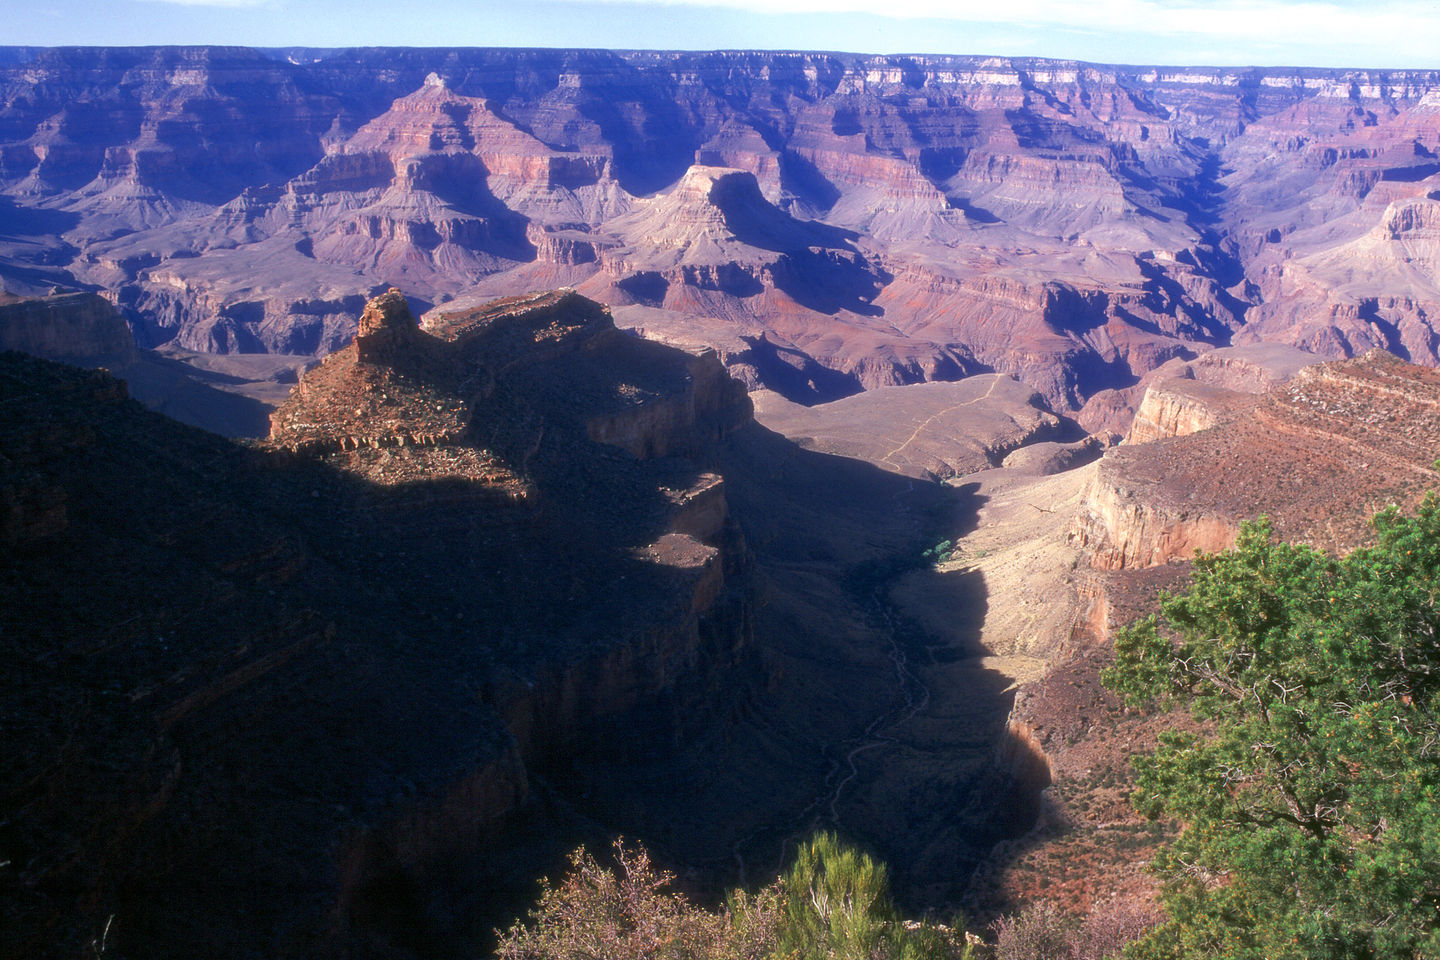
[1318,451]
[827,222]
[226,395]
[1174,408]
[1133,520]
[73,326]
[302,686]
[1317,454]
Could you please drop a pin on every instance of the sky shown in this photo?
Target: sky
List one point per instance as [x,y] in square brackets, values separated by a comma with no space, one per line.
[1322,33]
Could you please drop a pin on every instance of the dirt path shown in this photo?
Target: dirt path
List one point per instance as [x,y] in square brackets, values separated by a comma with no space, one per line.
[888,458]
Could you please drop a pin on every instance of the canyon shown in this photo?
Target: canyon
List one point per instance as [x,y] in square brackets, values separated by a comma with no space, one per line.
[606,416]
[513,579]
[828,223]
[492,586]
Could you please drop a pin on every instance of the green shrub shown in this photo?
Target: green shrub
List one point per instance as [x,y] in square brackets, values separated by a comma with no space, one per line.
[833,904]
[942,552]
[1312,803]
[836,901]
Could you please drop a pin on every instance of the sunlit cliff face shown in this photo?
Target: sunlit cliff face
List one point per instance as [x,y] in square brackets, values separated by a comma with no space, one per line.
[871,220]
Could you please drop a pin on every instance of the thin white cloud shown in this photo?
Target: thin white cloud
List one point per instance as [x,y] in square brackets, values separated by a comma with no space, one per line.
[1292,24]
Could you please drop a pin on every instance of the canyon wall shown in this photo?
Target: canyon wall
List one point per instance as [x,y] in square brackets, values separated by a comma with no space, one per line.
[76,326]
[827,222]
[1317,453]
[320,723]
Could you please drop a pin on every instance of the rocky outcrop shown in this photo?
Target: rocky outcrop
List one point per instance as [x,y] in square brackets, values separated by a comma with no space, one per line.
[388,332]
[1252,368]
[454,389]
[65,326]
[365,646]
[1175,408]
[826,222]
[1129,523]
[711,406]
[1192,393]
[1318,455]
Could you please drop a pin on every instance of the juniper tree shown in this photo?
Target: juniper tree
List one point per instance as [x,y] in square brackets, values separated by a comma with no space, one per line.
[1310,806]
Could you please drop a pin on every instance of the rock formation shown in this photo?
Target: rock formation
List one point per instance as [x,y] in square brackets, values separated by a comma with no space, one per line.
[1318,451]
[303,686]
[229,395]
[492,586]
[827,223]
[73,326]
[1318,454]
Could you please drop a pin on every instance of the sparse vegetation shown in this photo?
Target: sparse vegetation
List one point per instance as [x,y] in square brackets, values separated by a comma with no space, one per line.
[1042,932]
[833,903]
[1039,932]
[942,552]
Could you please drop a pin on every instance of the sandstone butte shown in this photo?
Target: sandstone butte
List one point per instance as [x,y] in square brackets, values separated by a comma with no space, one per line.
[828,223]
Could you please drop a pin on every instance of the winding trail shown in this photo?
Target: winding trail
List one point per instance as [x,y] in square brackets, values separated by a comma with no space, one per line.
[876,734]
[886,459]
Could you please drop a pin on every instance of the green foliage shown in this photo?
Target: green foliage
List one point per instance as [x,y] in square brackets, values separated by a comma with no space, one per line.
[833,904]
[1312,818]
[837,902]
[837,905]
[942,552]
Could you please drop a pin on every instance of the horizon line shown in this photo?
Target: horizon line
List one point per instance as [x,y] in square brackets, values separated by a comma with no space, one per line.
[798,51]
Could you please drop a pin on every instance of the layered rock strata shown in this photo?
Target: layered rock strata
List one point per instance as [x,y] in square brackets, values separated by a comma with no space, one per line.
[64,326]
[1318,451]
[827,222]
[1317,455]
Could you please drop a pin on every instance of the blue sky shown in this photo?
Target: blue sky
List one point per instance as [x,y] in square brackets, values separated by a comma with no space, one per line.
[1345,33]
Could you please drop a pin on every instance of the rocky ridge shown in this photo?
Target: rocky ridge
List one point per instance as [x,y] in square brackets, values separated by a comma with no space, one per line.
[65,326]
[828,223]
[385,631]
[1318,451]
[494,585]
[1337,441]
[228,395]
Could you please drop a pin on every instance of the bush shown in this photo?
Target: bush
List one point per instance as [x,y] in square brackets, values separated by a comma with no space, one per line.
[833,904]
[942,552]
[1039,932]
[837,902]
[1110,927]
[624,914]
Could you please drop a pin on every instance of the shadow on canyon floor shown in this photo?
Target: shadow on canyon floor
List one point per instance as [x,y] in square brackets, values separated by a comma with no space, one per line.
[858,720]
[279,677]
